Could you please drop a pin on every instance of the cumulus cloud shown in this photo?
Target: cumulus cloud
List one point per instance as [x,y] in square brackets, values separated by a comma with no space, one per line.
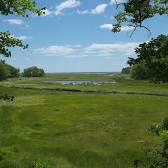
[123,28]
[14,21]
[66,5]
[57,50]
[113,2]
[111,49]
[99,9]
[93,50]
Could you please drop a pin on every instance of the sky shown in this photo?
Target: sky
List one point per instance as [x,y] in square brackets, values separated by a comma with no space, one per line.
[75,36]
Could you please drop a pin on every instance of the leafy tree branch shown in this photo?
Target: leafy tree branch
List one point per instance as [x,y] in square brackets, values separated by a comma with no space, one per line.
[135,12]
[7,41]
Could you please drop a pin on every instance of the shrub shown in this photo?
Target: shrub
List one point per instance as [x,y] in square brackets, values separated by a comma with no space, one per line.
[157,156]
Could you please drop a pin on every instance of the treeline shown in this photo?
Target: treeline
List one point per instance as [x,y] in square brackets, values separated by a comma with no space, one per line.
[8,71]
[151,62]
[33,72]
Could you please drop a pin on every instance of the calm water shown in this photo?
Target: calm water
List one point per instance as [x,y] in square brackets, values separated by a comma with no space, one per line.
[79,82]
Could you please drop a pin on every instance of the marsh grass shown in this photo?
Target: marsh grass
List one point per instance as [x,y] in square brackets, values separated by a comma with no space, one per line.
[77,130]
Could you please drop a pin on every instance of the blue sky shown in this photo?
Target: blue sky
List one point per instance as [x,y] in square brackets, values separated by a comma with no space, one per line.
[75,36]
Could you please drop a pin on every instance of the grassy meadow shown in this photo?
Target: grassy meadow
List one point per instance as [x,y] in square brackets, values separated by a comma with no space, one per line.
[46,126]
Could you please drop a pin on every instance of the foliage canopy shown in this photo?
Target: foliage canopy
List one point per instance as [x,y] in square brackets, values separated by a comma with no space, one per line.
[153,55]
[19,7]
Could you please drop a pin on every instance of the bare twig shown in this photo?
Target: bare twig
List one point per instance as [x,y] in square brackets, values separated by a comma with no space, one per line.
[139,26]
[139,21]
[135,27]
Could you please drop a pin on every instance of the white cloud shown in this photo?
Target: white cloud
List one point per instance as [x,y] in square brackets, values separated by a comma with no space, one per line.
[99,9]
[56,50]
[66,5]
[94,50]
[106,26]
[14,21]
[110,27]
[110,49]
[23,37]
[113,2]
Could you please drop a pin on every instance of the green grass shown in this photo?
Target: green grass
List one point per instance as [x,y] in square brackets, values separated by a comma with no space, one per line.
[122,84]
[77,130]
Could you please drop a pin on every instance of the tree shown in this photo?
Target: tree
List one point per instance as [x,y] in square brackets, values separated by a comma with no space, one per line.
[33,72]
[11,72]
[20,8]
[17,8]
[153,56]
[139,71]
[135,12]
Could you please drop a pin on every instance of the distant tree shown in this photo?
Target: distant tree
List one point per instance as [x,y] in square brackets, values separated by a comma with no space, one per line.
[153,57]
[135,12]
[33,72]
[12,72]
